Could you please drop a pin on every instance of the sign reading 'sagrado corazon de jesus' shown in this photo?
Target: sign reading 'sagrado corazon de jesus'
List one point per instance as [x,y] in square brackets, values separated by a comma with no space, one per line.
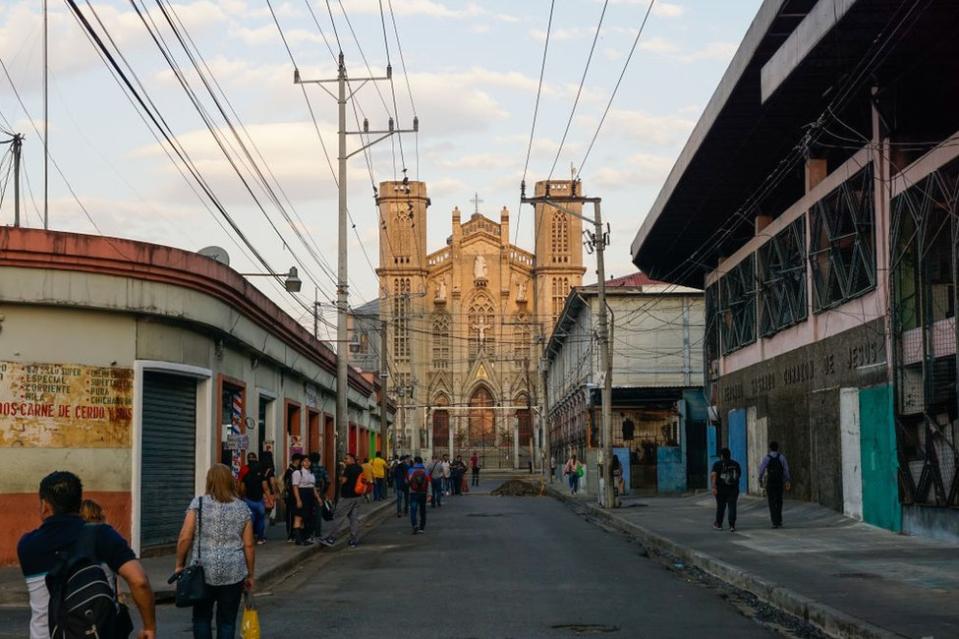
[65,406]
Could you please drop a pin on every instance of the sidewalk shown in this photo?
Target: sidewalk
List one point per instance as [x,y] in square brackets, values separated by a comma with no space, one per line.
[848,578]
[273,559]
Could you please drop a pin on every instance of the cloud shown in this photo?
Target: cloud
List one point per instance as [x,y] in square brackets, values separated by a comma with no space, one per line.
[429,8]
[650,129]
[667,10]
[638,169]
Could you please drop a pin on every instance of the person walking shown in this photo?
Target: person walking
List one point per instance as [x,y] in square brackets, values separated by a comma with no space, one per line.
[774,477]
[289,500]
[445,468]
[218,527]
[457,473]
[379,476]
[253,488]
[63,528]
[306,500]
[552,467]
[402,486]
[348,504]
[475,468]
[725,483]
[419,480]
[368,479]
[572,470]
[436,483]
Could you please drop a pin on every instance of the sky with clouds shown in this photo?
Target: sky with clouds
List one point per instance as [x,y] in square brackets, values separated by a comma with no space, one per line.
[473,72]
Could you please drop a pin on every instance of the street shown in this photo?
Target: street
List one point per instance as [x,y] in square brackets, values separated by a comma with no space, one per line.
[489,567]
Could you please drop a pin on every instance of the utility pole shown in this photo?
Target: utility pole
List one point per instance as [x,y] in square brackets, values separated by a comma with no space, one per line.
[597,241]
[17,147]
[46,126]
[384,400]
[344,94]
[544,420]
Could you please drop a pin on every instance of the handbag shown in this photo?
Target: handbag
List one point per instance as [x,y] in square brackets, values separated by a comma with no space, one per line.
[250,623]
[580,471]
[191,586]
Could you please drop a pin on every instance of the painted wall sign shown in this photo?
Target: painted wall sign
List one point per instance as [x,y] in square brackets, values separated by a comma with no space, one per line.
[65,406]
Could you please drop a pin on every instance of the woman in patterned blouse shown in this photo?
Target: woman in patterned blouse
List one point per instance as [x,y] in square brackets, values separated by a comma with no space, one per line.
[226,545]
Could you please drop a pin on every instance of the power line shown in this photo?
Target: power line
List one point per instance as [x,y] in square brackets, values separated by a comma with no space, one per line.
[612,96]
[579,91]
[532,128]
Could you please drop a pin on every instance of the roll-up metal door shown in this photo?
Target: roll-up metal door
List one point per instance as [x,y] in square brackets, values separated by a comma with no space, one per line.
[169,456]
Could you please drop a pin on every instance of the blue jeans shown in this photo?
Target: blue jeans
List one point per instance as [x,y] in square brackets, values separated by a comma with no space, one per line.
[437,485]
[227,600]
[573,482]
[379,488]
[418,507]
[402,500]
[259,517]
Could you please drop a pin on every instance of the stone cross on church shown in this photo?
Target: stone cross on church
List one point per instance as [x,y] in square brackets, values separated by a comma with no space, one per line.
[476,202]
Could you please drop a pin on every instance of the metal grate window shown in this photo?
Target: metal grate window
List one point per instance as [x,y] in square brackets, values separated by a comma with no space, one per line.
[782,273]
[738,305]
[842,242]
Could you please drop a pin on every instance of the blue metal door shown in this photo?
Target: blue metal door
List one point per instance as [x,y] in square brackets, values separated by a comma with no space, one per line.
[737,443]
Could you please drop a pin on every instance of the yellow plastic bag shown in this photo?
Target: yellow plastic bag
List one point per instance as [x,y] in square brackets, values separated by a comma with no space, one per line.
[250,624]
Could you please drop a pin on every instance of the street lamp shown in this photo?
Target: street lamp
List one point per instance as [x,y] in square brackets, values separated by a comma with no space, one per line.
[292,283]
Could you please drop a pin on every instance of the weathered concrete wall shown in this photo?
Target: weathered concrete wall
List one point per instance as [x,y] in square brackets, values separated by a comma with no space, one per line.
[797,394]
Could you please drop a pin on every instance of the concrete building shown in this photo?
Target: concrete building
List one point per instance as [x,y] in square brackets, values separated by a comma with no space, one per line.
[138,366]
[463,322]
[659,414]
[816,202]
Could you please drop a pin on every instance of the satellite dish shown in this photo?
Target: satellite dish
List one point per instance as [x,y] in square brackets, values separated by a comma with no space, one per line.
[216,253]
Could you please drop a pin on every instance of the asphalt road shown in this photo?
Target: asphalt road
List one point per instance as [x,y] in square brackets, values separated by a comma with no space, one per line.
[486,568]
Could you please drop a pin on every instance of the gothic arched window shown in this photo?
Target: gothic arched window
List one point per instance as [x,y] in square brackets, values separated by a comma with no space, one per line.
[482,318]
[401,318]
[560,237]
[441,341]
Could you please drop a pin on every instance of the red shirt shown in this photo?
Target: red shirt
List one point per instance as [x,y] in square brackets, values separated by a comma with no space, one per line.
[474,461]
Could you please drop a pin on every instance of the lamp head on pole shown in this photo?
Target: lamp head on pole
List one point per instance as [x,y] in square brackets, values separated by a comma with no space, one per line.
[293,282]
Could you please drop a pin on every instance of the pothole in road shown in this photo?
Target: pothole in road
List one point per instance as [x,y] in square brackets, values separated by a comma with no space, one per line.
[586,628]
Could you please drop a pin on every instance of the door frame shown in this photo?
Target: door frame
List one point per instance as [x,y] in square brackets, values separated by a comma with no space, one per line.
[204,431]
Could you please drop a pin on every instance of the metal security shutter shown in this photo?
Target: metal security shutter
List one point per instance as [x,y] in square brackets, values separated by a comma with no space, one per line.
[169,454]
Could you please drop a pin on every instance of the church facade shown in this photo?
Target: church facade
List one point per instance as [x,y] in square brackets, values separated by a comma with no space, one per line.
[466,323]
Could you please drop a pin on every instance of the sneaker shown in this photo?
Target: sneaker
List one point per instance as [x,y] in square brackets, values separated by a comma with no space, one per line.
[732,529]
[416,531]
[306,542]
[260,542]
[354,544]
[422,531]
[290,540]
[717,526]
[327,541]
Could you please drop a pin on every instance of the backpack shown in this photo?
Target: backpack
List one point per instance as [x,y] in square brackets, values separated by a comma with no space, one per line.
[775,472]
[288,483]
[82,601]
[418,481]
[729,474]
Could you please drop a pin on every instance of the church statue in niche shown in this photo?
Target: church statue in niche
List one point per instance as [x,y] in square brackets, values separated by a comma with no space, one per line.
[441,291]
[521,292]
[479,268]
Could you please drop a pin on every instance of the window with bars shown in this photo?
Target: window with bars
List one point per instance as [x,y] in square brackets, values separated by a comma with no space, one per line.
[738,305]
[782,276]
[560,237]
[713,322]
[401,319]
[441,341]
[842,242]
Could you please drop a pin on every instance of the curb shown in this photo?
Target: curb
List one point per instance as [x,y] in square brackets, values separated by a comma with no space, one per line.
[829,620]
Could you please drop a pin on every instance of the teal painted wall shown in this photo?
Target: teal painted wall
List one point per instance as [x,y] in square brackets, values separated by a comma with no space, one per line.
[880,489]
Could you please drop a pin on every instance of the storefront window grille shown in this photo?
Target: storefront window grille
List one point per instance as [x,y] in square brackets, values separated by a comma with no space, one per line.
[738,304]
[782,273]
[842,242]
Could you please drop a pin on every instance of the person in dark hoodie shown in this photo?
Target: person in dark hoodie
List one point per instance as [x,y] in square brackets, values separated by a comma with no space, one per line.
[774,476]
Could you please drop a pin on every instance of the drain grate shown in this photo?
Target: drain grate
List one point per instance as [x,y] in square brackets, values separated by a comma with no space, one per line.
[586,628]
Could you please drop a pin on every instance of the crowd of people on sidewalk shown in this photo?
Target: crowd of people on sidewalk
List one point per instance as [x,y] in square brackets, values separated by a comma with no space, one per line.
[73,562]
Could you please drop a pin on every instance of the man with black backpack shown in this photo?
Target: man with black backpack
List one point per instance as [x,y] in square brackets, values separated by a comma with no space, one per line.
[774,476]
[725,482]
[419,481]
[62,561]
